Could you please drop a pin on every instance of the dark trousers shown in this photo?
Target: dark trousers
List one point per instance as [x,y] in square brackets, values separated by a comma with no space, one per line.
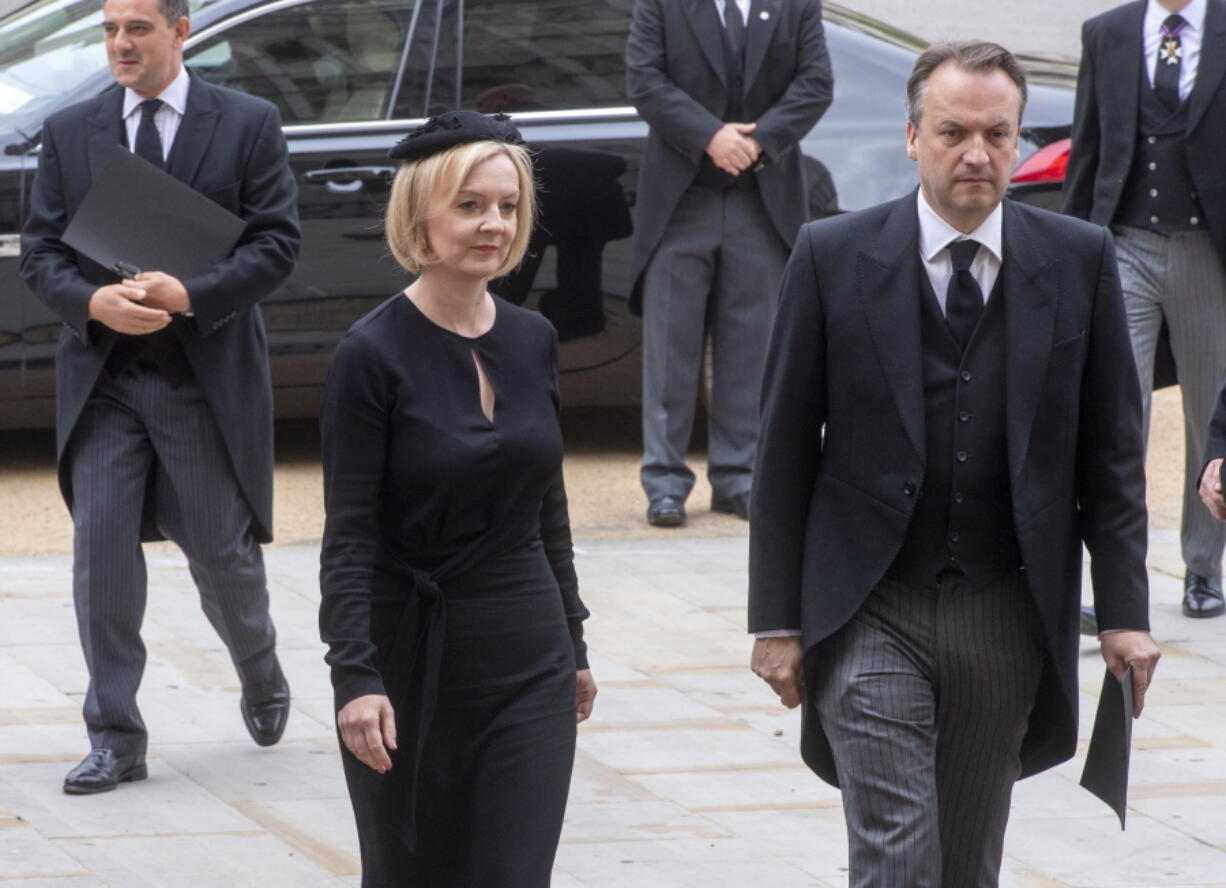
[136,427]
[925,696]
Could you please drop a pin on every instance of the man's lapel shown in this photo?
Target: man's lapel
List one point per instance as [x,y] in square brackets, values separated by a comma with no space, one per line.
[1123,61]
[105,131]
[763,17]
[1030,292]
[708,31]
[888,273]
[1212,65]
[195,131]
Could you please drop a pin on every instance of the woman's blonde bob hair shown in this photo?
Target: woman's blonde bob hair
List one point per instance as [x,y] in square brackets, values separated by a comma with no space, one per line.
[423,186]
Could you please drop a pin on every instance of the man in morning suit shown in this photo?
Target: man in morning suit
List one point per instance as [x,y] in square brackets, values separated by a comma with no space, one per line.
[163,398]
[931,461]
[728,87]
[1149,128]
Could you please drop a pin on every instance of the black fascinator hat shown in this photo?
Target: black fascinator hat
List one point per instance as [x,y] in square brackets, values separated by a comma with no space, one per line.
[453,128]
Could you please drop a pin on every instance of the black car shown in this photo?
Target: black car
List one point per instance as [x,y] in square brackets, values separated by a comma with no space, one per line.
[350,77]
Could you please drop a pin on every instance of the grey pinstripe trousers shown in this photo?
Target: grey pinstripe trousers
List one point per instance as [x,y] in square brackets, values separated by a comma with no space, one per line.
[1180,277]
[133,425]
[925,696]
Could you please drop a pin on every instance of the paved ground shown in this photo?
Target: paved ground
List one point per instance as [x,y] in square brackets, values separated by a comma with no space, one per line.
[687,775]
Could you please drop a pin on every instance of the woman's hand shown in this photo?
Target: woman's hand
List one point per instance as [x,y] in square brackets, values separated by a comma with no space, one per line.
[368,728]
[585,694]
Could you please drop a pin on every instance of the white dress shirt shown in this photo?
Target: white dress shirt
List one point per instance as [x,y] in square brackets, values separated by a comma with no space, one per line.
[1190,39]
[935,234]
[167,118]
[744,6]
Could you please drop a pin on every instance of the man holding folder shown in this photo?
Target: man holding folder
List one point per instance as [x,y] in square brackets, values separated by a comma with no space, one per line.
[164,401]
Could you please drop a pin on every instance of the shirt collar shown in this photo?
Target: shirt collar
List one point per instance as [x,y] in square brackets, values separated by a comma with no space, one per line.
[1193,14]
[174,95]
[936,234]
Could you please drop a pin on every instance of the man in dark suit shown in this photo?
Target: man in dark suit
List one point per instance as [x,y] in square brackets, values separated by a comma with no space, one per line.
[729,87]
[931,461]
[1148,132]
[163,398]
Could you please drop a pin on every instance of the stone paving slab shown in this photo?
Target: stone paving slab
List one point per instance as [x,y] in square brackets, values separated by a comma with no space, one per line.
[688,774]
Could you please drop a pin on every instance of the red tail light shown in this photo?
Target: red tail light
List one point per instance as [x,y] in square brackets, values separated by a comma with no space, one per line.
[1048,164]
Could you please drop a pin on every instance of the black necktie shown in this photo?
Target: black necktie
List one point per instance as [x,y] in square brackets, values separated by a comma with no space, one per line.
[1170,62]
[963,298]
[148,142]
[734,25]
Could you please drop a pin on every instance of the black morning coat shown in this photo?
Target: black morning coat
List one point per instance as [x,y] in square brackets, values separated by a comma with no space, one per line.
[841,453]
[230,148]
[675,77]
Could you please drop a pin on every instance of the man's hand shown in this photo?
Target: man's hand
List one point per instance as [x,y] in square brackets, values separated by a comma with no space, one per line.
[780,663]
[368,727]
[1135,649]
[732,149]
[119,306]
[1211,489]
[162,291]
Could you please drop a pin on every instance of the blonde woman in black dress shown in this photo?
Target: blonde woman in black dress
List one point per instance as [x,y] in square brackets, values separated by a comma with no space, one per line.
[449,599]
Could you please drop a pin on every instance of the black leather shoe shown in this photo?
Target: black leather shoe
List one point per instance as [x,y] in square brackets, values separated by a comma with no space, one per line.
[265,706]
[1202,596]
[666,511]
[102,770]
[1089,621]
[737,504]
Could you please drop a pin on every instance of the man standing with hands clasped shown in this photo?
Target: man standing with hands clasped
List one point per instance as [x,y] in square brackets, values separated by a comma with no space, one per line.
[1149,129]
[729,87]
[949,411]
[163,396]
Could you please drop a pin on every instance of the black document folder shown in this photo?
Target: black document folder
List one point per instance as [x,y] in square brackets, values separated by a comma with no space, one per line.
[141,216]
[1106,770]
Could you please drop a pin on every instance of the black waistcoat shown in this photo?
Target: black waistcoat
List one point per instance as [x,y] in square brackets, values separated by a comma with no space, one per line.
[964,515]
[709,175]
[1159,193]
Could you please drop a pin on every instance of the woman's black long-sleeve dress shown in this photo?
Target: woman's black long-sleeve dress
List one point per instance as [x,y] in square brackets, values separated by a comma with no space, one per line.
[447,583]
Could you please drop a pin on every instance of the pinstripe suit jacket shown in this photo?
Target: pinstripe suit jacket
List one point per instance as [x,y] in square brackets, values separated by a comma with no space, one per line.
[229,147]
[841,452]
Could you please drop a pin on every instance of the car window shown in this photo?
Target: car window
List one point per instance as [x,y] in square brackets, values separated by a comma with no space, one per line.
[322,62]
[544,55]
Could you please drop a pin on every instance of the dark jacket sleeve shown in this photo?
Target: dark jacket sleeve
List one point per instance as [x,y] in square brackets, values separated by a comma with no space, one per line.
[683,122]
[1083,156]
[555,536]
[48,265]
[1110,473]
[808,95]
[789,446]
[353,435]
[265,255]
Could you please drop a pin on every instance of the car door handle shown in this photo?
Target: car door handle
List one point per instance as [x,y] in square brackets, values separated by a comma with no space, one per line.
[348,179]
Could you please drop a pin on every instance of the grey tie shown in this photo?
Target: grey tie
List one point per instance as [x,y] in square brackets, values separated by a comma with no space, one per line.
[734,25]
